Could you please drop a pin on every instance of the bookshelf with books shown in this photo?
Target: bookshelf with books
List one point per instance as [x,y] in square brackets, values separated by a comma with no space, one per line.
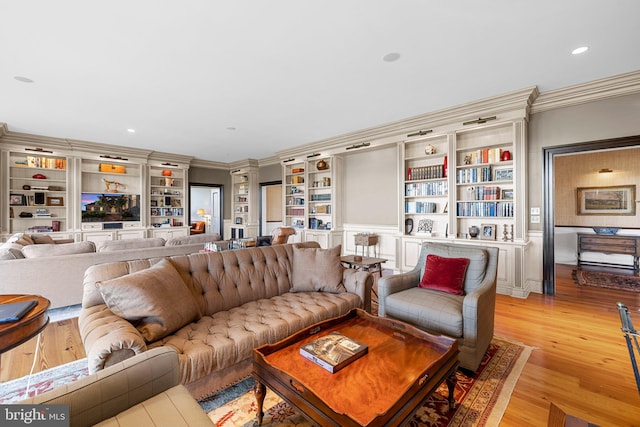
[425,185]
[167,200]
[295,195]
[485,180]
[244,184]
[324,213]
[38,196]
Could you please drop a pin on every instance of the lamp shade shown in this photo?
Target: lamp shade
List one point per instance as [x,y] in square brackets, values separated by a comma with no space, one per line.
[200,212]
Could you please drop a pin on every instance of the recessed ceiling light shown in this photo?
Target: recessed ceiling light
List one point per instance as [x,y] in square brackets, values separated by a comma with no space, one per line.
[391,57]
[23,79]
[231,128]
[579,50]
[131,130]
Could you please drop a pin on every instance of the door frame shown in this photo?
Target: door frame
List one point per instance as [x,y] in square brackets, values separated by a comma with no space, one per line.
[221,207]
[548,201]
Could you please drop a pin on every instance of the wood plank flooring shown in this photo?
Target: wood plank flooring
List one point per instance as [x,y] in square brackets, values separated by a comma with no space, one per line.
[580,363]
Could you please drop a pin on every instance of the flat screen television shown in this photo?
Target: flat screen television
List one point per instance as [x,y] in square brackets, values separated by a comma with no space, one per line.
[110,207]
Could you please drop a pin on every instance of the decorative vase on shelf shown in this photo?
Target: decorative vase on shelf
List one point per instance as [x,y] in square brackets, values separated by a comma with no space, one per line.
[429,149]
[474,231]
[506,155]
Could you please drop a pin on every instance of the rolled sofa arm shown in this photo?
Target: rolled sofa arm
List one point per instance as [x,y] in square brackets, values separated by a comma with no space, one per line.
[388,285]
[108,339]
[359,283]
[117,388]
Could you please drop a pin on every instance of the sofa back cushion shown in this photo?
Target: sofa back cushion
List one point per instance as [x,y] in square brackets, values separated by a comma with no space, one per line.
[197,238]
[124,244]
[52,249]
[477,256]
[316,269]
[155,300]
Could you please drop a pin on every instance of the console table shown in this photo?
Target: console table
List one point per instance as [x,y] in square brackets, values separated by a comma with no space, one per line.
[609,244]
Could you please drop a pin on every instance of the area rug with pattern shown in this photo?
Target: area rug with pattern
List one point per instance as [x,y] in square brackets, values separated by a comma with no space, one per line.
[40,382]
[481,398]
[601,279]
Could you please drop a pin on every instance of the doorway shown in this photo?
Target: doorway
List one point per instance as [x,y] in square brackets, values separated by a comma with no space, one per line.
[270,207]
[548,198]
[205,204]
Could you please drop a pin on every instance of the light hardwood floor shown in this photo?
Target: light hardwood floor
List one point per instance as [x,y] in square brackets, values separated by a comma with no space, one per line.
[580,361]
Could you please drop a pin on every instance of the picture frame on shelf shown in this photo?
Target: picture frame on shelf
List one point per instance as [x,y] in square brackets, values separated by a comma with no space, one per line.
[503,174]
[17,200]
[154,203]
[488,232]
[612,200]
[506,194]
[55,201]
[238,220]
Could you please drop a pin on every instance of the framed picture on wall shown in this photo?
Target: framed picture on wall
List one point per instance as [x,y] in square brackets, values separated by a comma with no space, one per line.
[614,200]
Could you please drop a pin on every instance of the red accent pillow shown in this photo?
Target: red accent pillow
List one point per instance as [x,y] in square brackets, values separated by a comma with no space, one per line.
[444,274]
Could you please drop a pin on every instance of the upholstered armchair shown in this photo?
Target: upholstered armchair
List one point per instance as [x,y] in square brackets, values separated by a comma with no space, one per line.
[431,301]
[279,236]
[197,227]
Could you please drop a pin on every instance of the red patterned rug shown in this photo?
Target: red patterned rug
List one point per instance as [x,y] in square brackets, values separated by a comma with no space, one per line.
[482,398]
[600,279]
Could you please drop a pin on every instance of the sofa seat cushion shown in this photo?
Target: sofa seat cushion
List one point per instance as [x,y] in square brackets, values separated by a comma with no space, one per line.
[52,249]
[173,407]
[228,337]
[188,240]
[430,310]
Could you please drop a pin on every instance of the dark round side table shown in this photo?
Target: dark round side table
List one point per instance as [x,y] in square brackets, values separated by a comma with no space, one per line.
[15,333]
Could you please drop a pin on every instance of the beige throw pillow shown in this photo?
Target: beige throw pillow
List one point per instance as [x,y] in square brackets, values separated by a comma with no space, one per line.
[156,300]
[316,269]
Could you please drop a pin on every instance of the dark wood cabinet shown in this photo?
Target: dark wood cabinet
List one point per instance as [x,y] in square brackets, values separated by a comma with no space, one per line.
[609,244]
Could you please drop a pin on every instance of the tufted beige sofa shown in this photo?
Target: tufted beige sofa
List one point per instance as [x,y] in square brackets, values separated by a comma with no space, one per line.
[245,298]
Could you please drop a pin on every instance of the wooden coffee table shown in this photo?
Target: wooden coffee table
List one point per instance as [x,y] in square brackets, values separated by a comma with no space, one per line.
[403,367]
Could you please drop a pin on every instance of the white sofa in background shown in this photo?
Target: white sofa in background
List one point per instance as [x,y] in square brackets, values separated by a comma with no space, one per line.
[56,270]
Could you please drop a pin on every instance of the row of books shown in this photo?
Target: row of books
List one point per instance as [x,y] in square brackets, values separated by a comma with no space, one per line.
[43,162]
[471,175]
[320,197]
[295,201]
[486,155]
[439,188]
[296,211]
[420,207]
[426,172]
[483,192]
[497,209]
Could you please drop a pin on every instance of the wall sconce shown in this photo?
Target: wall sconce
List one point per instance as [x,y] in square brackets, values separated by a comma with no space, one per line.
[605,170]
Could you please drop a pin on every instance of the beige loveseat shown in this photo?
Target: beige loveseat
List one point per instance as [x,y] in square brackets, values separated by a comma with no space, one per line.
[144,390]
[55,269]
[214,308]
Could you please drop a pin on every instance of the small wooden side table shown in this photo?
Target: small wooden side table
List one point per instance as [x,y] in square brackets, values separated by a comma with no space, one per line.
[15,333]
[364,263]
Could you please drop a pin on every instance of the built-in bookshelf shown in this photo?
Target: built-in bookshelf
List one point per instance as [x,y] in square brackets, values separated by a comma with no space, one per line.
[485,180]
[38,197]
[167,197]
[425,185]
[294,194]
[244,187]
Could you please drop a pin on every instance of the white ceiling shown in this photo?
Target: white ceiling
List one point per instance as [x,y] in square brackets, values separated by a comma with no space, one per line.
[284,73]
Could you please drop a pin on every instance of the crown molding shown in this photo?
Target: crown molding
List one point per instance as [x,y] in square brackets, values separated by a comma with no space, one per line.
[3,129]
[519,101]
[160,157]
[269,161]
[209,164]
[610,87]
